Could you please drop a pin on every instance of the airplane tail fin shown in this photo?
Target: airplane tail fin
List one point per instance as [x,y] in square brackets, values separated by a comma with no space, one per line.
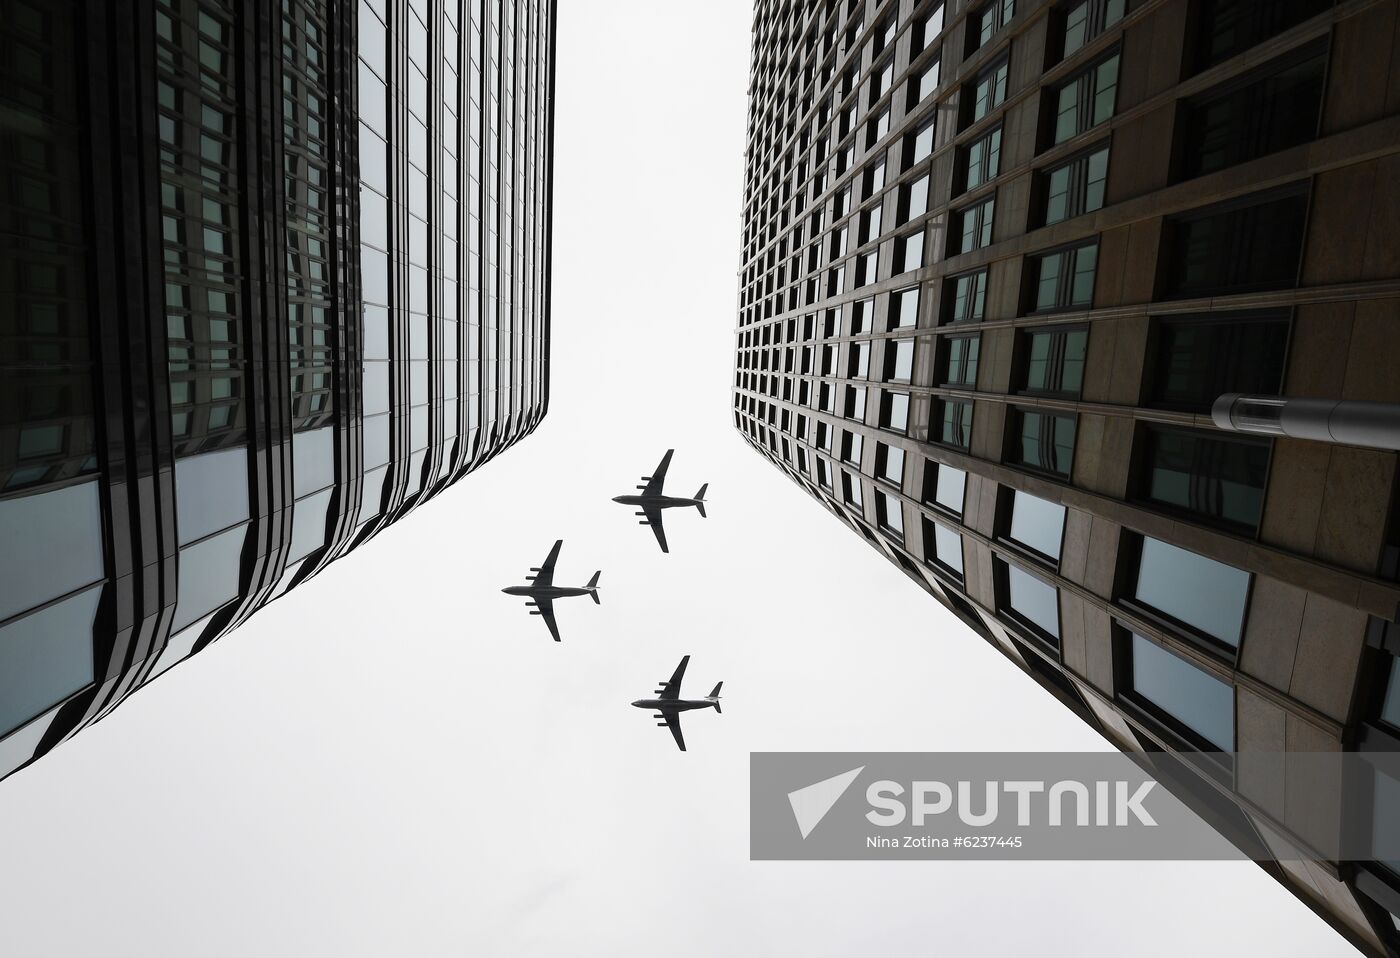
[714,696]
[700,500]
[592,587]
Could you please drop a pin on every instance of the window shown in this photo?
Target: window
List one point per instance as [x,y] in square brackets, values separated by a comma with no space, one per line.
[889,513]
[983,24]
[1194,703]
[1217,478]
[1206,596]
[874,178]
[1028,601]
[867,265]
[919,144]
[889,464]
[927,29]
[943,548]
[899,360]
[1086,100]
[869,224]
[988,91]
[954,423]
[1228,27]
[850,447]
[880,79]
[909,253]
[1043,441]
[1064,279]
[1198,358]
[944,486]
[862,316]
[904,308]
[877,128]
[1037,524]
[913,199]
[982,160]
[1055,362]
[1074,188]
[1267,110]
[922,85]
[972,227]
[959,365]
[850,489]
[823,473]
[1086,19]
[1390,704]
[967,297]
[858,361]
[894,411]
[1239,246]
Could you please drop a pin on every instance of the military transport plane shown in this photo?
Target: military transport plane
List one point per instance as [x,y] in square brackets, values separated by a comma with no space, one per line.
[669,705]
[542,590]
[652,501]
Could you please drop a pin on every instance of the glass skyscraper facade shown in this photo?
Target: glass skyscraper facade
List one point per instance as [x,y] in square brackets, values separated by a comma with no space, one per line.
[273,273]
[1000,257]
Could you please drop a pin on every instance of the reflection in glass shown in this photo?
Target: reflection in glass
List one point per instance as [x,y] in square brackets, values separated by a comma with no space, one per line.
[1037,523]
[1205,594]
[208,575]
[62,534]
[1033,599]
[1196,699]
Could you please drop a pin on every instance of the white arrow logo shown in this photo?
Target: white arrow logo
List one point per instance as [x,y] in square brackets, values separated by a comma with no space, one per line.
[810,804]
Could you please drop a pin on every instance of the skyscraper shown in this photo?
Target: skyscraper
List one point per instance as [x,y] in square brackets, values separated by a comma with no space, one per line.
[1000,258]
[273,273]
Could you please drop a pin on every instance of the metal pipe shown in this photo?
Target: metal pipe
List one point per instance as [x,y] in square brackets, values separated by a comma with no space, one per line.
[1375,425]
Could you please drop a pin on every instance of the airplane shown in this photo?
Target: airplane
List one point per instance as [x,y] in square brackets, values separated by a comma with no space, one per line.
[652,501]
[542,590]
[669,705]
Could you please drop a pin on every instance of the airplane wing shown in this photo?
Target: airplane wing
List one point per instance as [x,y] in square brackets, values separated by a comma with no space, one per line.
[671,689]
[545,608]
[673,722]
[657,479]
[654,520]
[544,575]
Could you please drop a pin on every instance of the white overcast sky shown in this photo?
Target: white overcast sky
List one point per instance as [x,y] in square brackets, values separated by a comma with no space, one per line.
[395,758]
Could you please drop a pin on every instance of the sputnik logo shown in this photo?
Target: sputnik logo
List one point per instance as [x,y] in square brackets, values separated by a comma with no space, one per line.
[810,804]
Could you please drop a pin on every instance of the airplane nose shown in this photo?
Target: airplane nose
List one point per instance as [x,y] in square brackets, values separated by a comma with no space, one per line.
[617,499]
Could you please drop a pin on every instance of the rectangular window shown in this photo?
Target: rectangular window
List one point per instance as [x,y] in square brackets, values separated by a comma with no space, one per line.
[889,513]
[1043,441]
[959,365]
[909,253]
[944,486]
[983,24]
[1028,601]
[894,411]
[1228,27]
[927,29]
[899,360]
[943,548]
[850,447]
[972,227]
[1191,700]
[1206,596]
[862,316]
[987,91]
[922,85]
[982,160]
[1086,19]
[954,423]
[1217,478]
[919,144]
[1074,188]
[855,403]
[1244,245]
[967,297]
[1055,361]
[1390,704]
[1037,524]
[1086,100]
[858,361]
[904,308]
[874,178]
[877,128]
[867,265]
[1064,279]
[889,464]
[850,489]
[870,224]
[1199,358]
[1266,110]
[913,199]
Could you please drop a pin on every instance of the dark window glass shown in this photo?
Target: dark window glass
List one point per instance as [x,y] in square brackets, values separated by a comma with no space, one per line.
[1043,441]
[954,425]
[983,24]
[1199,358]
[1086,100]
[972,227]
[1074,188]
[1265,111]
[1065,278]
[982,160]
[987,91]
[889,464]
[889,513]
[1086,19]
[1055,361]
[959,365]
[944,486]
[899,360]
[1228,27]
[894,411]
[1238,248]
[919,144]
[1390,705]
[1215,477]
[967,297]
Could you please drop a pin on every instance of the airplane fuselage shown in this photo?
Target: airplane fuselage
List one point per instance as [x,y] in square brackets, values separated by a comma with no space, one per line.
[677,705]
[655,502]
[544,592]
